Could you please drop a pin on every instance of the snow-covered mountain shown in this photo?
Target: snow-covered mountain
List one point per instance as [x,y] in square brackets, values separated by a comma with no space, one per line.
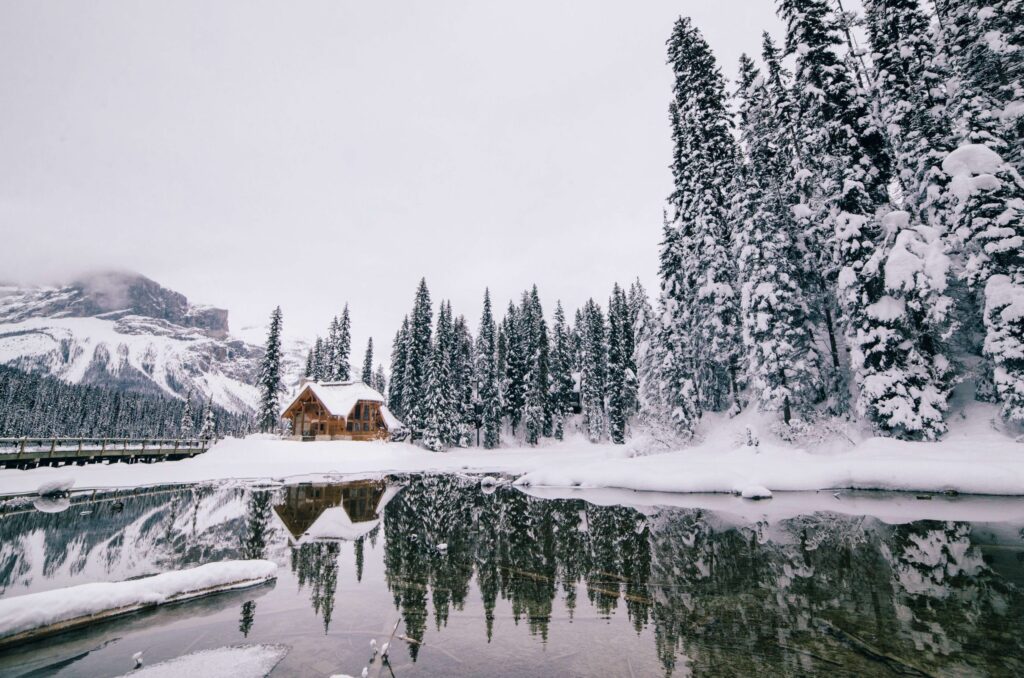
[125,331]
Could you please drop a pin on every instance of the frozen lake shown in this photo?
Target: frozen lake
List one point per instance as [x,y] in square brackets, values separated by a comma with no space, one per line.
[494,581]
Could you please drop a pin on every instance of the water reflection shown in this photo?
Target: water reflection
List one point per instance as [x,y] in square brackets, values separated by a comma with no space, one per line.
[706,593]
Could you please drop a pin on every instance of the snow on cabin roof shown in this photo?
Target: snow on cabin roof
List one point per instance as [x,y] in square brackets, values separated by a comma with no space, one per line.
[339,397]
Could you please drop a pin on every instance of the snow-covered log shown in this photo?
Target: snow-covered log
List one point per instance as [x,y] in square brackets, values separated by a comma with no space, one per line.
[35,615]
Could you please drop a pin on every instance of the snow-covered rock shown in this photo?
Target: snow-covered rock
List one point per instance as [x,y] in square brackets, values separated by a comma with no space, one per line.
[55,487]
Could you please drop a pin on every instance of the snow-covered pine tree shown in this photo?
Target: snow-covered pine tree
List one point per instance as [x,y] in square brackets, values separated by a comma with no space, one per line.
[307,371]
[342,369]
[534,338]
[463,382]
[846,153]
[619,358]
[319,360]
[593,370]
[911,103]
[209,426]
[560,369]
[269,380]
[698,275]
[782,363]
[186,425]
[983,40]
[988,192]
[441,421]
[670,393]
[380,380]
[417,362]
[514,381]
[332,349]
[399,356]
[367,374]
[488,376]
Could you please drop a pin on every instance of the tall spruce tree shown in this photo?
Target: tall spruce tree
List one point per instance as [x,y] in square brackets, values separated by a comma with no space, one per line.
[702,168]
[560,373]
[593,370]
[514,380]
[208,431]
[187,423]
[399,356]
[441,418]
[308,370]
[463,382]
[782,363]
[987,191]
[367,374]
[620,351]
[380,380]
[342,368]
[319,360]
[488,376]
[269,380]
[848,158]
[419,350]
[535,349]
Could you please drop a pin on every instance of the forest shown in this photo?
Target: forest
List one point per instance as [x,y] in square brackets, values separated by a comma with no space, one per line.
[844,240]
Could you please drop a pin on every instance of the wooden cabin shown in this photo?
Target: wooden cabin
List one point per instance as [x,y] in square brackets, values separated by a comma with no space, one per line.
[340,410]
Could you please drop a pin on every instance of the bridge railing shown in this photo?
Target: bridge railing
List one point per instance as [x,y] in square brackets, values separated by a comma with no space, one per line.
[54,447]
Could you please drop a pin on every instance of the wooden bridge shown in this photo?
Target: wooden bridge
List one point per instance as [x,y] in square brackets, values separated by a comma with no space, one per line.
[32,452]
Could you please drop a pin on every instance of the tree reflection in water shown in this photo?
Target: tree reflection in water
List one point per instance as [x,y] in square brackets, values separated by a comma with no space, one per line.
[812,592]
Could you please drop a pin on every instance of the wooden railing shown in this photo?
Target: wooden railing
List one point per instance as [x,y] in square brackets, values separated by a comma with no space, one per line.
[35,451]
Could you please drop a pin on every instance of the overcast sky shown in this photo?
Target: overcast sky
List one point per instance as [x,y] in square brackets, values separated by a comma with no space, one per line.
[306,154]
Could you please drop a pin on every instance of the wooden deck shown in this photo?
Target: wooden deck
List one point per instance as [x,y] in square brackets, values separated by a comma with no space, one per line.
[33,452]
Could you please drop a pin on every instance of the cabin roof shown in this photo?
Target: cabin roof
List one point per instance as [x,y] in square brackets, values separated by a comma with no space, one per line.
[339,397]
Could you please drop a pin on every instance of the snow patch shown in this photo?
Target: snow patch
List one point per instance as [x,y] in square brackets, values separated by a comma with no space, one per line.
[242,661]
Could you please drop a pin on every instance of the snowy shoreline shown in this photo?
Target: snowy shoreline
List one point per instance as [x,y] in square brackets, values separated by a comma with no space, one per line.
[981,464]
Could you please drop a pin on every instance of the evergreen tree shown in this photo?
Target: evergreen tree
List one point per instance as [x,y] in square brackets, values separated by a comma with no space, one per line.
[852,173]
[593,368]
[332,350]
[514,381]
[269,380]
[399,356]
[209,427]
[367,375]
[319,360]
[310,365]
[781,359]
[534,347]
[703,165]
[417,363]
[561,372]
[380,380]
[620,355]
[463,382]
[341,369]
[487,376]
[185,428]
[440,421]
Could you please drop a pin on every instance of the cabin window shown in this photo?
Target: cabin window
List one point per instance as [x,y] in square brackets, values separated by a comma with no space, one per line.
[348,427]
[366,427]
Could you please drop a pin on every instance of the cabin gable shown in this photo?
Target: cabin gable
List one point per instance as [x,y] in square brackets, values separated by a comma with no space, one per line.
[342,411]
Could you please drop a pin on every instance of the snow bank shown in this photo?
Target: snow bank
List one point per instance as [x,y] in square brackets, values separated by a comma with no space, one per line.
[61,609]
[993,465]
[242,661]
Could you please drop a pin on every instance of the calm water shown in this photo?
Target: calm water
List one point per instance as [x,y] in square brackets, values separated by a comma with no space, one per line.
[529,586]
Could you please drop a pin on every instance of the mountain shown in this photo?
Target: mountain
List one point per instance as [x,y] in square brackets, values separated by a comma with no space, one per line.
[123,330]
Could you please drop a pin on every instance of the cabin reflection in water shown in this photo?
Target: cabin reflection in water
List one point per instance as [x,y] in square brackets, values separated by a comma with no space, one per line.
[333,511]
